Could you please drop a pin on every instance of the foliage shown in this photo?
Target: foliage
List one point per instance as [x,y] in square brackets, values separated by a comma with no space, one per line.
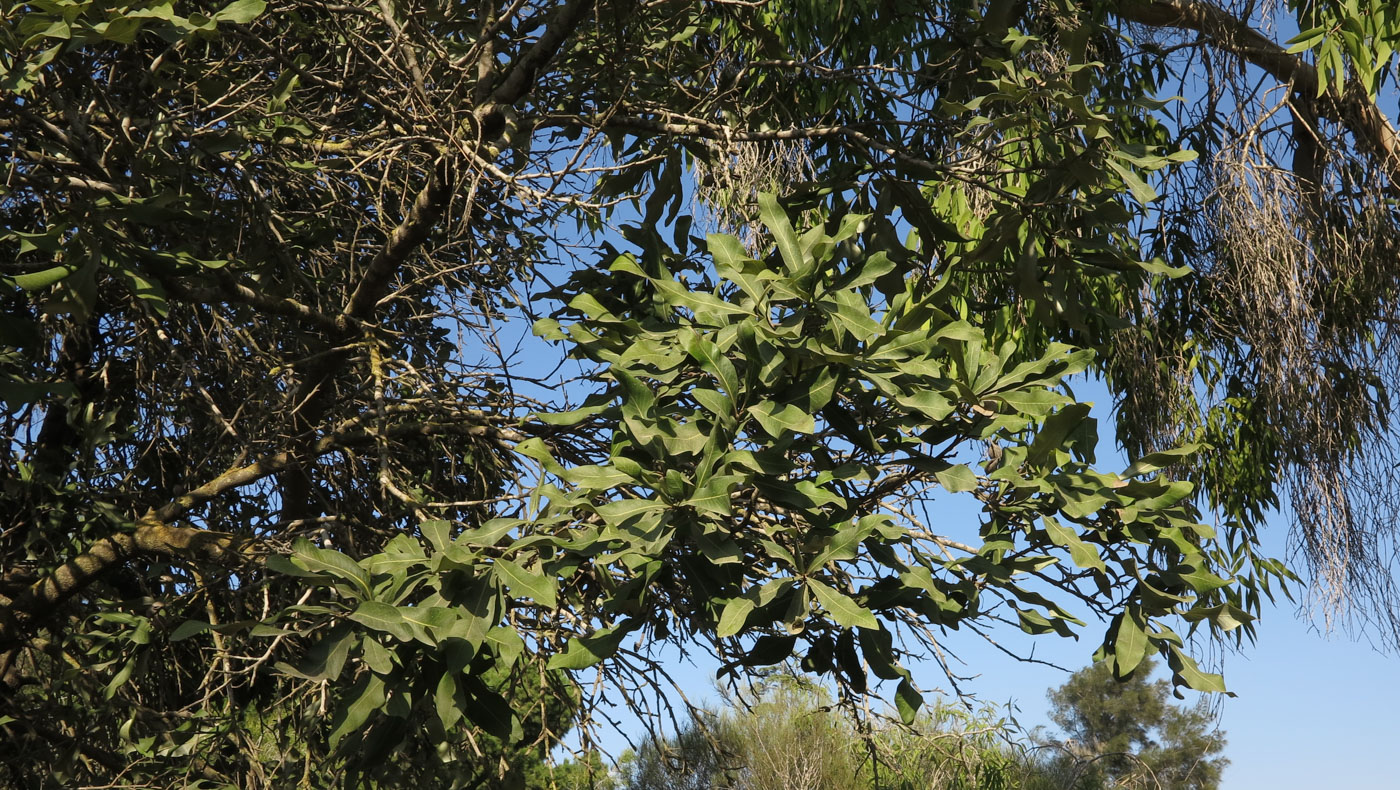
[286,502]
[785,733]
[1127,733]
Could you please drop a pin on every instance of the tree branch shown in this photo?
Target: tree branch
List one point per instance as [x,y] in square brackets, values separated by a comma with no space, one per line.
[154,534]
[427,209]
[1354,111]
[432,201]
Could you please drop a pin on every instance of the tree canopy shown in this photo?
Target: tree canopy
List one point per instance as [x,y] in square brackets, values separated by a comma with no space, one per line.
[289,495]
[1129,734]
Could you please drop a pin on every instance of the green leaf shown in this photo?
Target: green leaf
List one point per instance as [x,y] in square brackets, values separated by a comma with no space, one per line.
[382,617]
[713,495]
[507,643]
[1032,402]
[598,478]
[1142,192]
[330,562]
[326,658]
[433,624]
[843,546]
[877,645]
[586,651]
[775,419]
[734,616]
[933,405]
[1187,673]
[728,252]
[843,610]
[1081,553]
[1054,432]
[438,533]
[1155,461]
[535,584]
[1226,616]
[769,650]
[490,533]
[908,700]
[619,513]
[118,680]
[1197,577]
[241,12]
[957,478]
[536,449]
[377,657]
[446,701]
[364,699]
[188,629]
[776,220]
[36,280]
[489,710]
[1129,641]
[122,30]
[713,362]
[284,565]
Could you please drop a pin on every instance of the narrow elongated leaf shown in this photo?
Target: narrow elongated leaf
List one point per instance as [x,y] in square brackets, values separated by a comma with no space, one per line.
[1081,553]
[1190,674]
[714,362]
[382,617]
[241,12]
[330,562]
[589,650]
[784,236]
[843,610]
[775,418]
[597,477]
[36,280]
[1154,461]
[364,699]
[188,629]
[735,614]
[447,701]
[1141,190]
[1129,641]
[908,700]
[618,513]
[532,583]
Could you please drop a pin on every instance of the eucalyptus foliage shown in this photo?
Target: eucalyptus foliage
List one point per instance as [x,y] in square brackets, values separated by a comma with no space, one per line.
[286,500]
